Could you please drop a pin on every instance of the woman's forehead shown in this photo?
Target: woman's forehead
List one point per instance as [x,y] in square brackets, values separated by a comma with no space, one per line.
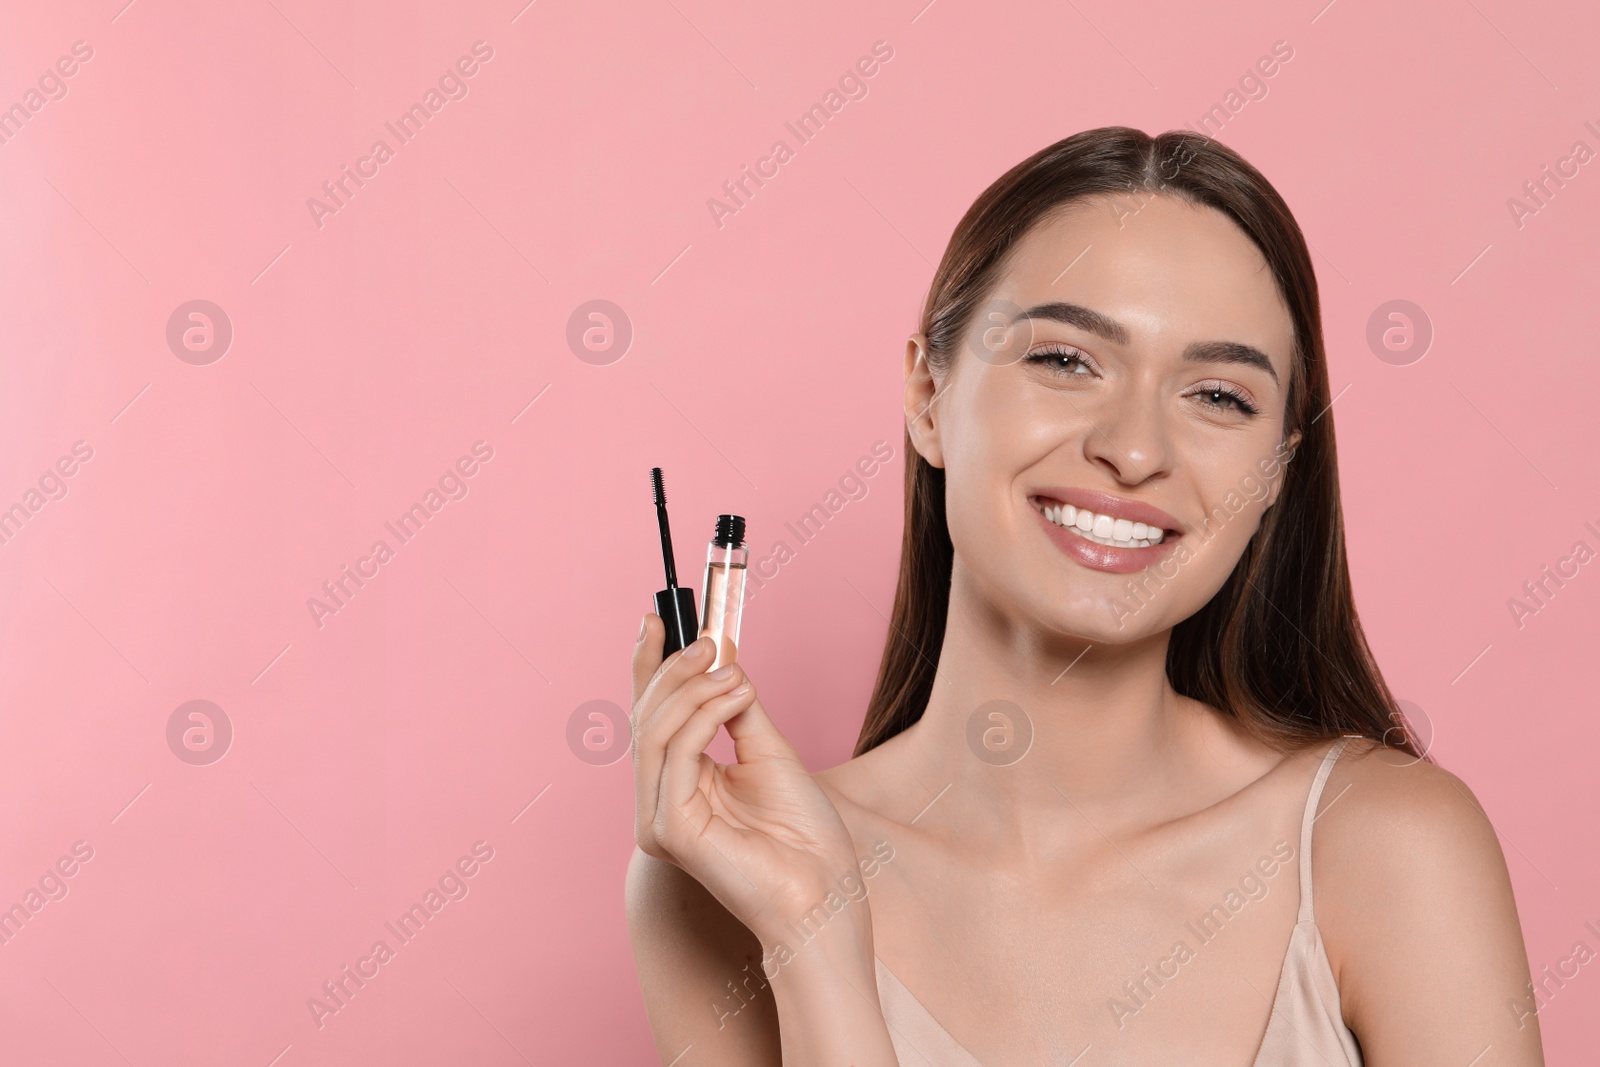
[1159,264]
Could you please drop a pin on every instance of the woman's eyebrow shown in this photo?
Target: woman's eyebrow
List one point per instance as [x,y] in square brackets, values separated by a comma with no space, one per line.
[1079,316]
[1228,352]
[1101,326]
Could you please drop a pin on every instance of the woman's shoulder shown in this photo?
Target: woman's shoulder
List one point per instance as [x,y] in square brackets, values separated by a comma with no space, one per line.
[1405,855]
[1390,823]
[1398,807]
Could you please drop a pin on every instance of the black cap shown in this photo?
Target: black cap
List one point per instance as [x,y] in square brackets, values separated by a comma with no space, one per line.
[678,612]
[730,531]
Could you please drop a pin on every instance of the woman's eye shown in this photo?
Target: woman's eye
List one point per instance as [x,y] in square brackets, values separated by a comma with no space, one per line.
[1225,399]
[1063,360]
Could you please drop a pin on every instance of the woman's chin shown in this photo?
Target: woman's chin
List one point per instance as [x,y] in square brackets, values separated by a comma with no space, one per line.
[1099,622]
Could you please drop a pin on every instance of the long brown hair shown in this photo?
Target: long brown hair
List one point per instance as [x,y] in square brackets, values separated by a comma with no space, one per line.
[1279,646]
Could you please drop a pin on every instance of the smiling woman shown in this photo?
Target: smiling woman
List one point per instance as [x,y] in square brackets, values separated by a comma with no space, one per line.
[1096,405]
[1198,256]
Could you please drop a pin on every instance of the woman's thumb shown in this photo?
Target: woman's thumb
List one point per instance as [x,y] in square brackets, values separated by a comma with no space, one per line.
[755,735]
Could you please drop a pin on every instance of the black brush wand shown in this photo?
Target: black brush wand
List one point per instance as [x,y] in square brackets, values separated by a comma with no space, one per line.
[673,604]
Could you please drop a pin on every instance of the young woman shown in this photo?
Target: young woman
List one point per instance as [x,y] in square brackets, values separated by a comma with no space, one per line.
[1122,685]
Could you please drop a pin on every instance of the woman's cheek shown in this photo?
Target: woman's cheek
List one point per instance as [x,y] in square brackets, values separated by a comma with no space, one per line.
[1218,541]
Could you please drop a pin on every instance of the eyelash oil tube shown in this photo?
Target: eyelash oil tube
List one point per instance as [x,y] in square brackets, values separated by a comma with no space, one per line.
[675,605]
[723,592]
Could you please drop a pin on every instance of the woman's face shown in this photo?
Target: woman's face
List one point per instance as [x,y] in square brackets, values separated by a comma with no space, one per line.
[1131,367]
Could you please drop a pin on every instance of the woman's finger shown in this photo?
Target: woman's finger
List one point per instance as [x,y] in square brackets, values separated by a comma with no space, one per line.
[652,735]
[647,653]
[653,732]
[756,736]
[683,810]
[677,668]
[648,662]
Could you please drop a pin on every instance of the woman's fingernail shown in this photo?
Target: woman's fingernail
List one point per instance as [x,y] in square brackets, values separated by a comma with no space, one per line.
[740,690]
[722,674]
[642,623]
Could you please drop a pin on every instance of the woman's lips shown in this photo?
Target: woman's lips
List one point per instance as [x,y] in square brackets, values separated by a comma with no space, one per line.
[1109,558]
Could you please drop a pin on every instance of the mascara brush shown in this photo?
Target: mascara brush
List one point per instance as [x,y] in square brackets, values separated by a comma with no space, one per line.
[675,605]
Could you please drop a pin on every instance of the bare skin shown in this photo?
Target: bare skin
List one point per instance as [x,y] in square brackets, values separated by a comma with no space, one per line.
[1019,899]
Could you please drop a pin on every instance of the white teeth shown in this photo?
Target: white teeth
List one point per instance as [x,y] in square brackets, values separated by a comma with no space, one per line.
[1103,529]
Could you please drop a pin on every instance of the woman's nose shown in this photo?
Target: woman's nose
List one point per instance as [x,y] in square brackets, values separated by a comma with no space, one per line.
[1128,438]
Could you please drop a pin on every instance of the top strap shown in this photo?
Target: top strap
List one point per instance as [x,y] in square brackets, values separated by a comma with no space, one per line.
[1311,817]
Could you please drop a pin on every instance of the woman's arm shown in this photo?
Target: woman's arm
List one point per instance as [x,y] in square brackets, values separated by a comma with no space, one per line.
[711,989]
[1416,909]
[700,971]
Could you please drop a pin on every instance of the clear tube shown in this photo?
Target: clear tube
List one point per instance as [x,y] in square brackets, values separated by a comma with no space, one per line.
[722,598]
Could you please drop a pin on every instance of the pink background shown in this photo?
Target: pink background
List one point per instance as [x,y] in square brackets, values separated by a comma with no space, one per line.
[372,751]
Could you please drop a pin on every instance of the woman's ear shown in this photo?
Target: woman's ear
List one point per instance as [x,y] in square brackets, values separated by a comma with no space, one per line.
[1286,450]
[921,401]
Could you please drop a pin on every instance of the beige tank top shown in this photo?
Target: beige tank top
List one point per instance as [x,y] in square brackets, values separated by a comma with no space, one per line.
[1306,1027]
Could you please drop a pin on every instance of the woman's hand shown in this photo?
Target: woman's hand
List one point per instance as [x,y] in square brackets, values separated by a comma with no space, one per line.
[759,834]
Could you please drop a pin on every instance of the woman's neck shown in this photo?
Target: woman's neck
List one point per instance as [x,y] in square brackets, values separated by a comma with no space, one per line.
[1109,735]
